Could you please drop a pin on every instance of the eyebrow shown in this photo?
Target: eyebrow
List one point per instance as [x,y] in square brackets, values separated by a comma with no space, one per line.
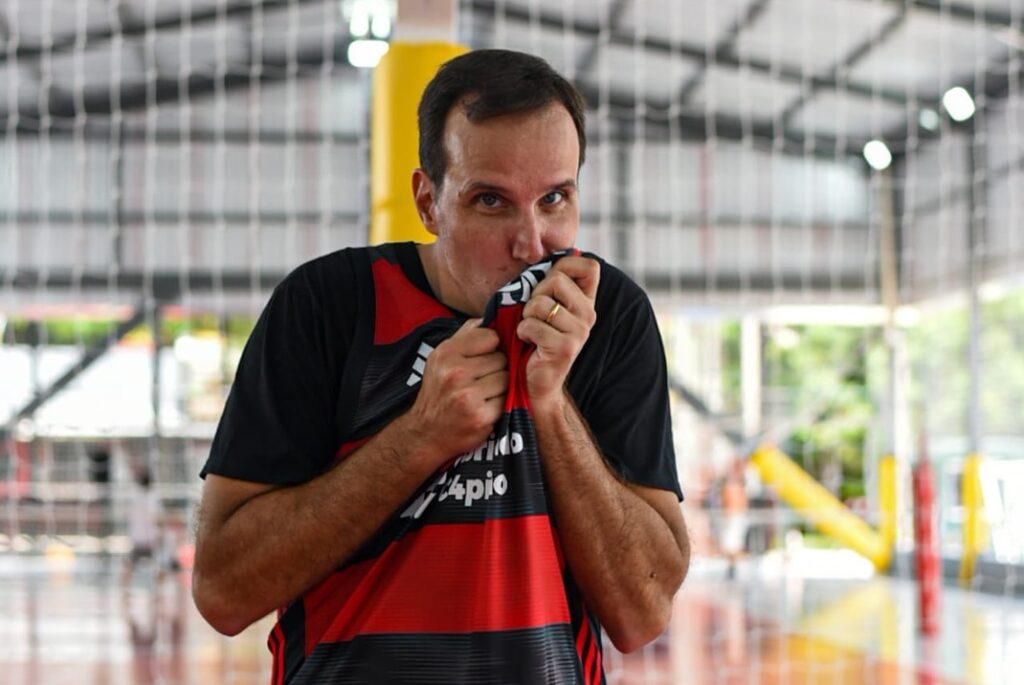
[477,186]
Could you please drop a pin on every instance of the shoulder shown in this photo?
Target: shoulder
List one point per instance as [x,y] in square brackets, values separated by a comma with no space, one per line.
[618,295]
[323,276]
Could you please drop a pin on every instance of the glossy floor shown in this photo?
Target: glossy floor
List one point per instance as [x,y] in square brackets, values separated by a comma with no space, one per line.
[78,619]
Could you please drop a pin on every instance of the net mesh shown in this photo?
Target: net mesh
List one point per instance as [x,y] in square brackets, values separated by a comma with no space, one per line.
[164,164]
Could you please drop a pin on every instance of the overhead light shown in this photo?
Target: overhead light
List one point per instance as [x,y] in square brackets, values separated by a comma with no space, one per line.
[369,18]
[877,155]
[959,103]
[928,118]
[365,54]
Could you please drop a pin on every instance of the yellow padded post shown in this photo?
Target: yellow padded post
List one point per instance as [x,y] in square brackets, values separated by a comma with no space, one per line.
[398,83]
[974,525]
[799,490]
[887,500]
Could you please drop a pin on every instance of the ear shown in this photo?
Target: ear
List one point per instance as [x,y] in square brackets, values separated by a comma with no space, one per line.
[424,195]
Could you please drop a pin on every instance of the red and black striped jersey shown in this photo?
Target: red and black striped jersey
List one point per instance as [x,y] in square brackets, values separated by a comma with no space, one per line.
[466,583]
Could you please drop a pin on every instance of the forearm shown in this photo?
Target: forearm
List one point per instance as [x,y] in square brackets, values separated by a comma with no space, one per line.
[624,555]
[278,544]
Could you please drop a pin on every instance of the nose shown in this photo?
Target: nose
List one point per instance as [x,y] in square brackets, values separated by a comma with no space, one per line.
[528,244]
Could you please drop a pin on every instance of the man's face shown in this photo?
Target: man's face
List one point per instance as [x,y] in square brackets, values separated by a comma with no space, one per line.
[509,197]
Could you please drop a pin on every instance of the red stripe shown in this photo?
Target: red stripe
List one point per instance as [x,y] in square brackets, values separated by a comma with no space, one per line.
[581,641]
[401,306]
[502,574]
[350,447]
[506,321]
[277,649]
[595,659]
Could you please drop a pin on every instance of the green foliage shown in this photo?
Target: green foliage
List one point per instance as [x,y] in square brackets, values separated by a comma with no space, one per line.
[938,355]
[824,369]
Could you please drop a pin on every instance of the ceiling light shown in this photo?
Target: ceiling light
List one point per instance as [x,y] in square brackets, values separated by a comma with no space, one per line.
[877,155]
[959,103]
[365,54]
[929,119]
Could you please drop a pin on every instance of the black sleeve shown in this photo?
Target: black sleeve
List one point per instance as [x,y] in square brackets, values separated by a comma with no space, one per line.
[278,424]
[622,390]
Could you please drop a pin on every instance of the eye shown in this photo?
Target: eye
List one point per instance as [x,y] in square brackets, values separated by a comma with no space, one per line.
[554,197]
[488,200]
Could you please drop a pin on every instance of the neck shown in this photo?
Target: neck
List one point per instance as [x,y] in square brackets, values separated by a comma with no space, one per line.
[446,295]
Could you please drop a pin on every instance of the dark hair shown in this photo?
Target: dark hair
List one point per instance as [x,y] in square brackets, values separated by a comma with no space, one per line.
[490,83]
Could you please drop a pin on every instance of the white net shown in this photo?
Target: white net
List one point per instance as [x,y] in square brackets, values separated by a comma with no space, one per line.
[164,164]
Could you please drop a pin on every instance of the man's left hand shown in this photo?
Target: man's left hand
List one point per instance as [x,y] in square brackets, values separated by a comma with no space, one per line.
[557,320]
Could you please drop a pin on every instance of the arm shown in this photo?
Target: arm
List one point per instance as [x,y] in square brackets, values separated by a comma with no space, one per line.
[259,546]
[627,544]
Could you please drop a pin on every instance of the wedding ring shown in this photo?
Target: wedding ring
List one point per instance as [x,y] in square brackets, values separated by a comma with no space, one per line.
[551,314]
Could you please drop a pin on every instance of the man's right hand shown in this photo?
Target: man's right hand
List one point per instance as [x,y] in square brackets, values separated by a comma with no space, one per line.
[462,395]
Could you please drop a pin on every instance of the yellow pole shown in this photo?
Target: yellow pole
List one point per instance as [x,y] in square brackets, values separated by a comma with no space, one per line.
[974,531]
[798,489]
[887,500]
[398,83]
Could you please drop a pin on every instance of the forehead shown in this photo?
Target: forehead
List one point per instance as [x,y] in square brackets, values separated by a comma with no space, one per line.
[542,138]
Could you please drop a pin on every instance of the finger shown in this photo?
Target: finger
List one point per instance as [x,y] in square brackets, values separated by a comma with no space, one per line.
[472,341]
[585,271]
[493,385]
[494,408]
[485,365]
[556,287]
[565,291]
[546,337]
[549,311]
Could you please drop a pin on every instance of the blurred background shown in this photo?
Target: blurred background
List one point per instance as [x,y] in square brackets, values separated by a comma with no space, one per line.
[823,199]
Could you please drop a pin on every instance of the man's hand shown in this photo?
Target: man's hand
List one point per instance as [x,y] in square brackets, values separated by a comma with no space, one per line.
[558,333]
[463,393]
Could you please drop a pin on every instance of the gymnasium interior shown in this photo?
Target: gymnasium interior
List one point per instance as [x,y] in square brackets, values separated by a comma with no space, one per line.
[823,199]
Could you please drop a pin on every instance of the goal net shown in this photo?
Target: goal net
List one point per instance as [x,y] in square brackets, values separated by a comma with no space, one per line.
[822,197]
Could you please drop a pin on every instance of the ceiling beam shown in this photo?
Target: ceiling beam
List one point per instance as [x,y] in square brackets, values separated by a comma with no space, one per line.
[844,65]
[726,45]
[136,96]
[66,129]
[130,26]
[694,53]
[991,18]
[659,125]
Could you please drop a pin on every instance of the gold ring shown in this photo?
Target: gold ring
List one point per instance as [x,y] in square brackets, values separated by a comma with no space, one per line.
[551,314]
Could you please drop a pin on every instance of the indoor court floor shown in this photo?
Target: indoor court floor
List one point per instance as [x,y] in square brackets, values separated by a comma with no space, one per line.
[77,619]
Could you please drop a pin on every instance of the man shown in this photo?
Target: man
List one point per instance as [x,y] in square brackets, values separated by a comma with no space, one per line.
[372,550]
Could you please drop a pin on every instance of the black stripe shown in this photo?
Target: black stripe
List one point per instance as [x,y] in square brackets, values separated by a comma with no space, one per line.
[362,344]
[537,656]
[293,627]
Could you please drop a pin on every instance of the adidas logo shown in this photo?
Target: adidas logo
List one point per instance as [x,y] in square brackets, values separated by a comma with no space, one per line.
[417,366]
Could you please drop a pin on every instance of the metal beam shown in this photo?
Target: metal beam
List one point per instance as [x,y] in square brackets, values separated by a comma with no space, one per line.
[68,129]
[229,217]
[135,96]
[969,13]
[133,27]
[844,65]
[166,284]
[587,60]
[697,126]
[695,53]
[726,44]
[755,281]
[163,284]
[700,407]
